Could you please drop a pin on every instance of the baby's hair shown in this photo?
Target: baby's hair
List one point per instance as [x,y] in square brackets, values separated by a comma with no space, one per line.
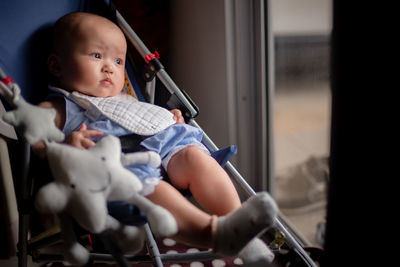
[66,26]
[63,28]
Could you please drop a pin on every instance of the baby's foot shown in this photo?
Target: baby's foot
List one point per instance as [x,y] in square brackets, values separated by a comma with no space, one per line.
[256,253]
[236,229]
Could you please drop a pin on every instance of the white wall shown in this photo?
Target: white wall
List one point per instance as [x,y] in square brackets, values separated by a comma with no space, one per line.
[197,45]
[301,17]
[216,57]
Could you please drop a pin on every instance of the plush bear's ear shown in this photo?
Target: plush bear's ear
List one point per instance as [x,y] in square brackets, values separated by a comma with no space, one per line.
[51,198]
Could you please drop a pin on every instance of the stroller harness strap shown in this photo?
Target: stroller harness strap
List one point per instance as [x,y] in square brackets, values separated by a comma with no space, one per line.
[139,117]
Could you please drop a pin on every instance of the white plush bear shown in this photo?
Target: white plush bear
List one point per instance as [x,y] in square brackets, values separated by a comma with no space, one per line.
[84,180]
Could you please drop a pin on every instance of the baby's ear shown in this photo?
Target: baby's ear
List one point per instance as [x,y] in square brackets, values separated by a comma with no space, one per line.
[53,63]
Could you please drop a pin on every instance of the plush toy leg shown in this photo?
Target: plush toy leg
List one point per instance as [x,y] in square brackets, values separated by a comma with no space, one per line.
[128,238]
[74,252]
[161,221]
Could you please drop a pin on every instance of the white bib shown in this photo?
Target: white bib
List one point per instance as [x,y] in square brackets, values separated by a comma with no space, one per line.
[139,117]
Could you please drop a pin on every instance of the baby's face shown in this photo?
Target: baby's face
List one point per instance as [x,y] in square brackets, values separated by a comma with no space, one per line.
[94,64]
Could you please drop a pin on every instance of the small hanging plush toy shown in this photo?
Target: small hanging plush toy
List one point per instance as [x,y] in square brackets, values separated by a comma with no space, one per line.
[84,180]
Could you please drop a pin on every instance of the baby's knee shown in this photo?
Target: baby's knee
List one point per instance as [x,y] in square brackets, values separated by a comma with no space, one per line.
[191,155]
[186,166]
[185,161]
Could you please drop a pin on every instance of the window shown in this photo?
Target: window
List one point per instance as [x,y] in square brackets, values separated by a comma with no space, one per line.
[301,107]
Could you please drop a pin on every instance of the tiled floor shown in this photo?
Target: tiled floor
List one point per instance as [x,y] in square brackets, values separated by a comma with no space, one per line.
[302,125]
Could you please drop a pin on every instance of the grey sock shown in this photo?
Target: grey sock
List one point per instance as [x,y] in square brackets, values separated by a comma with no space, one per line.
[236,229]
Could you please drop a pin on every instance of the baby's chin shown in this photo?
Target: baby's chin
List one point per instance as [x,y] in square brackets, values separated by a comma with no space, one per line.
[107,94]
[101,92]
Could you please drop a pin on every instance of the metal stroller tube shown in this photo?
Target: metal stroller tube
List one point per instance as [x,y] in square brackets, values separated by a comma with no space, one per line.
[161,73]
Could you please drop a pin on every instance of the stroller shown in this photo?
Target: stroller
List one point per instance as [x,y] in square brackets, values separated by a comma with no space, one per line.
[279,238]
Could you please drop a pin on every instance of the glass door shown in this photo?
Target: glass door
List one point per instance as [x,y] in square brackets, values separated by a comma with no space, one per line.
[301,106]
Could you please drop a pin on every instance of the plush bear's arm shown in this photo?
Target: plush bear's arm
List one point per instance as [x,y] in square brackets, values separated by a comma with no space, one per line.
[137,158]
[51,198]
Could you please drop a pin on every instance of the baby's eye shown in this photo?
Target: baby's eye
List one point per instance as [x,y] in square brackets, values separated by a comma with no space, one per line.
[118,61]
[96,55]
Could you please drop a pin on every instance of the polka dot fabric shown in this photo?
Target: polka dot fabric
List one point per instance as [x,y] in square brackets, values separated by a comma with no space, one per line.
[167,246]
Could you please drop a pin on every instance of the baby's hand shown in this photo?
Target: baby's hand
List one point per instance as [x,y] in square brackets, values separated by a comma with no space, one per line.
[178,116]
[80,138]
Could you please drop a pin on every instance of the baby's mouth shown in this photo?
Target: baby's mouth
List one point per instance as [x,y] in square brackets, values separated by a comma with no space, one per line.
[106,81]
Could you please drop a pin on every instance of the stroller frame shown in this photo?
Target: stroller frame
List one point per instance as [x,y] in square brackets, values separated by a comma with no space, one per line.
[155,257]
[174,89]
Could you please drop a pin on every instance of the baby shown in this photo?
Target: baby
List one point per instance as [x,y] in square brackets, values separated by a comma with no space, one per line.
[88,60]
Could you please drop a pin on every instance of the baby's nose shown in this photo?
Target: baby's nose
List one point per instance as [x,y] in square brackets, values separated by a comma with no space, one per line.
[107,68]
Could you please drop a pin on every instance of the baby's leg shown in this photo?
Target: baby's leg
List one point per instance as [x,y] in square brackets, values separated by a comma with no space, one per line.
[213,190]
[229,234]
[210,185]
[194,225]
